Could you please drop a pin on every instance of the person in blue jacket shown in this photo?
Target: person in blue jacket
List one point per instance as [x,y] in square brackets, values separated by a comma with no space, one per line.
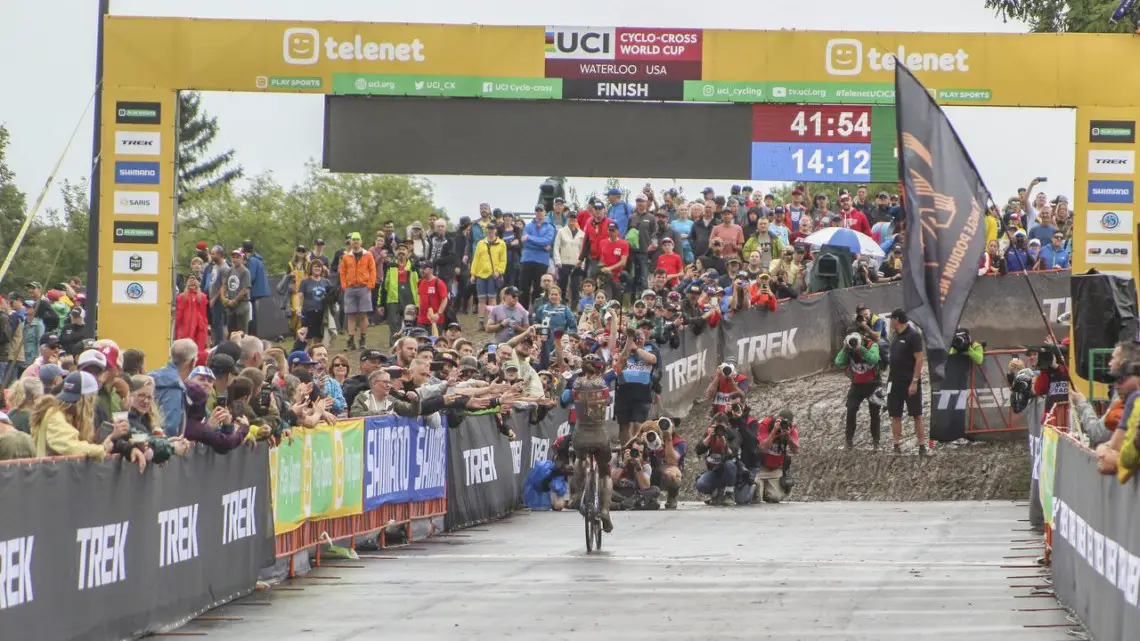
[537,249]
[619,211]
[258,281]
[545,487]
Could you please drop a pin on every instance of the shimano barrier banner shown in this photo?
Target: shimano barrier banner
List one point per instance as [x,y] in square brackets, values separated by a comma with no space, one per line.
[974,400]
[319,475]
[101,551]
[481,478]
[403,460]
[686,371]
[1096,544]
[793,342]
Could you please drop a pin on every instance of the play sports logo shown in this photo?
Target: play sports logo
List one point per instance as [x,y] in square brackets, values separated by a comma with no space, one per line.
[302,46]
[844,57]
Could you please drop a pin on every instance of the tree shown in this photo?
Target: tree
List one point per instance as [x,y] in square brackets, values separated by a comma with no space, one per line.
[1062,16]
[783,193]
[324,205]
[198,171]
[13,203]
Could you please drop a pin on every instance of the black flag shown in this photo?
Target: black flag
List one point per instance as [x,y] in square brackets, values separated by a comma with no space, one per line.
[945,217]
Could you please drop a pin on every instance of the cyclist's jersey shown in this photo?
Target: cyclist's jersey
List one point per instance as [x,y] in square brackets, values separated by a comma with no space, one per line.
[591,395]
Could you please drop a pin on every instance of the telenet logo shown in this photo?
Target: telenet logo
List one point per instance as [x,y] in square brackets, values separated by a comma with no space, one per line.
[302,46]
[844,57]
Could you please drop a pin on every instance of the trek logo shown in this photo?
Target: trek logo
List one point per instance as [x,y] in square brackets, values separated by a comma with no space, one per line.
[431,456]
[1055,307]
[960,399]
[687,371]
[177,535]
[1110,191]
[239,515]
[138,113]
[1112,162]
[1116,222]
[1119,131]
[302,46]
[765,347]
[1103,555]
[539,449]
[844,57]
[136,173]
[16,571]
[516,456]
[102,554]
[1110,252]
[138,143]
[580,43]
[386,452]
[136,203]
[480,464]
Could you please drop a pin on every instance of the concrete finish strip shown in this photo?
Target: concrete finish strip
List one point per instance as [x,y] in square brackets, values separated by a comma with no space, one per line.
[797,571]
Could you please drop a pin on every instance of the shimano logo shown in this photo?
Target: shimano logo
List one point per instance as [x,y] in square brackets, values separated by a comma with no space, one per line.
[1110,191]
[16,571]
[239,515]
[102,554]
[431,456]
[137,172]
[765,347]
[177,535]
[480,464]
[687,371]
[386,454]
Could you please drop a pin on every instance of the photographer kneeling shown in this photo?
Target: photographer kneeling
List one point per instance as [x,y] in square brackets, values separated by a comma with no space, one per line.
[666,456]
[748,465]
[720,449]
[778,437]
[860,360]
[632,487]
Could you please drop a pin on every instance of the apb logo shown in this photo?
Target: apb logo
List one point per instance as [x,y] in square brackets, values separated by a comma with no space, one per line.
[1121,131]
[580,43]
[136,263]
[1110,252]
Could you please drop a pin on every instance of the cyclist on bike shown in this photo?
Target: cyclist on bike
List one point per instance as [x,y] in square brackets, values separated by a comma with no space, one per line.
[591,397]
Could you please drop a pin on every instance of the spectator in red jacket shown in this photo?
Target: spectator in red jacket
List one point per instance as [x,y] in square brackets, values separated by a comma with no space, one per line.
[190,316]
[853,218]
[670,261]
[762,295]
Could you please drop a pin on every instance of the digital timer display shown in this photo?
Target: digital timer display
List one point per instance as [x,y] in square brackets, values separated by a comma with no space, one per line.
[842,143]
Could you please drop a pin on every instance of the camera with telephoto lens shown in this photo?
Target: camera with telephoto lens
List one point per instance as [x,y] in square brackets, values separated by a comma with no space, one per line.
[544,329]
[665,424]
[727,370]
[1021,389]
[264,399]
[852,341]
[961,341]
[653,441]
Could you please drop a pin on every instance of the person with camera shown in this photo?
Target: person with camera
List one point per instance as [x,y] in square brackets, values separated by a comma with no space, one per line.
[720,447]
[1052,381]
[964,345]
[748,465]
[667,326]
[636,369]
[761,293]
[725,382]
[632,487]
[666,453]
[860,360]
[904,381]
[778,438]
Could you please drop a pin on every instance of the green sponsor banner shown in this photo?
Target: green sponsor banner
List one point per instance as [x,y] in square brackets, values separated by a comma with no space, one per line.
[884,155]
[290,82]
[965,95]
[373,84]
[865,93]
[319,451]
[725,91]
[286,474]
[1048,472]
[521,88]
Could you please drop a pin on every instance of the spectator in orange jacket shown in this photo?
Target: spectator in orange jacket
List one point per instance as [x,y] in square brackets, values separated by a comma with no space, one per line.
[762,295]
[357,279]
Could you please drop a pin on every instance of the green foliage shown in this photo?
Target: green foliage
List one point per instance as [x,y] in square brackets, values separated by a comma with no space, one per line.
[198,170]
[783,193]
[324,205]
[1062,16]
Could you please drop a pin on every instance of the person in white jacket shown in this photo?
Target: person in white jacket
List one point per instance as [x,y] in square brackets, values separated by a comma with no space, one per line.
[567,257]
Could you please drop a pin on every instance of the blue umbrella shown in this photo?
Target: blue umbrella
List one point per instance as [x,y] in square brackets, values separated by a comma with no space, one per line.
[850,239]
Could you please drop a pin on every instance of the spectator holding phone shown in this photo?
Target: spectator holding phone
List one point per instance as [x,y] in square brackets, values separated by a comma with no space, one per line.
[64,425]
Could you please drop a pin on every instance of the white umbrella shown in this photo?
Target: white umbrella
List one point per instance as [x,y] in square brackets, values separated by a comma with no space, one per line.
[857,242]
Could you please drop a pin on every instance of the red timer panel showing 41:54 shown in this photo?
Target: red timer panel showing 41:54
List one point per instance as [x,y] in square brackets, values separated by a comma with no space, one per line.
[793,123]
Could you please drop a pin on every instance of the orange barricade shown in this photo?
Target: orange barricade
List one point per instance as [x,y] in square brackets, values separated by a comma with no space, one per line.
[1006,420]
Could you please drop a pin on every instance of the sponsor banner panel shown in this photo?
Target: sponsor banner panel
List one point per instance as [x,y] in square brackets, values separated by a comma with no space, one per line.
[623,69]
[480,472]
[1118,131]
[1111,191]
[1096,546]
[1103,161]
[1116,222]
[138,143]
[137,203]
[128,112]
[136,173]
[195,533]
[584,89]
[136,233]
[404,461]
[140,262]
[134,292]
[794,342]
[1001,311]
[1036,513]
[1109,252]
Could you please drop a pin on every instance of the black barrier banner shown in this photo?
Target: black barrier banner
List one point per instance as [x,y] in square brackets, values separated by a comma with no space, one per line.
[1033,418]
[481,473]
[791,343]
[974,401]
[99,551]
[1096,544]
[1002,313]
[534,440]
[687,370]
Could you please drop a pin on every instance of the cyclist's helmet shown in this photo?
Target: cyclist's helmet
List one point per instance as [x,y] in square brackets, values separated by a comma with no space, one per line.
[592,364]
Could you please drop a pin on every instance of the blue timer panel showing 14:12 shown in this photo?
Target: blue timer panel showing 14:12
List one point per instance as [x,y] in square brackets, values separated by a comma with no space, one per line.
[808,161]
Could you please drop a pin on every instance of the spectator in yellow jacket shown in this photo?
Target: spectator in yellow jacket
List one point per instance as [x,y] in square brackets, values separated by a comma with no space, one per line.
[488,264]
[64,425]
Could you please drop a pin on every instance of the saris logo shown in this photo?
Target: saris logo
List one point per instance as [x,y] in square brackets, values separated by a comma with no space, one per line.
[844,57]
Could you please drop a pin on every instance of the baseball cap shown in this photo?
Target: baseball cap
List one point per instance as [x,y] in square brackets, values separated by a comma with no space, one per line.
[92,358]
[512,290]
[613,191]
[643,323]
[424,347]
[201,245]
[454,326]
[613,225]
[599,205]
[49,372]
[787,415]
[694,289]
[708,190]
[661,213]
[748,188]
[559,200]
[468,363]
[247,245]
[538,208]
[1035,241]
[112,354]
[511,365]
[780,209]
[75,311]
[354,236]
[639,198]
[711,273]
[372,355]
[236,252]
[35,284]
[649,292]
[883,194]
[222,364]
[299,358]
[319,241]
[301,248]
[49,340]
[203,371]
[76,386]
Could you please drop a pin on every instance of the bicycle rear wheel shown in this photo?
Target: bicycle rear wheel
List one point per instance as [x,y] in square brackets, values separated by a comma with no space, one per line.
[589,504]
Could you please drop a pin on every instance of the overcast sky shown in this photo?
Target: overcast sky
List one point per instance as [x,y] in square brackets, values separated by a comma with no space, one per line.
[48,49]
